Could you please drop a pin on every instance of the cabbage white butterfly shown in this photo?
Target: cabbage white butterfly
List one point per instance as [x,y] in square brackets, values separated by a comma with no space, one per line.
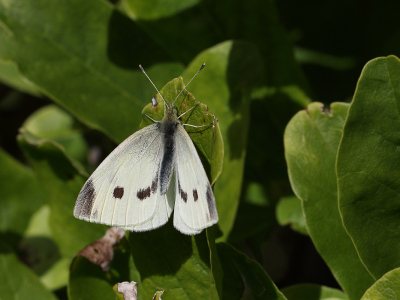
[153,172]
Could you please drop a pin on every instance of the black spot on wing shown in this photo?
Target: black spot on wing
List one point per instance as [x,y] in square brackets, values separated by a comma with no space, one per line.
[195,195]
[143,194]
[210,202]
[118,192]
[86,197]
[182,192]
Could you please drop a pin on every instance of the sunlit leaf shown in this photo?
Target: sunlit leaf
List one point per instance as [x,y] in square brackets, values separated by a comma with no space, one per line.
[289,211]
[311,142]
[52,122]
[387,287]
[368,167]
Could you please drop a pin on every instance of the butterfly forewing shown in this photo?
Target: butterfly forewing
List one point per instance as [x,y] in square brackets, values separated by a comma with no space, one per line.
[194,203]
[123,189]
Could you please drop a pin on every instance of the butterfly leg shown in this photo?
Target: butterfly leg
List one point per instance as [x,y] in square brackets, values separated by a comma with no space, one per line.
[198,126]
[187,111]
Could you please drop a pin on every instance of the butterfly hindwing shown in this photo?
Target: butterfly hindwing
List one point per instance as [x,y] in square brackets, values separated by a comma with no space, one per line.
[161,215]
[123,191]
[195,207]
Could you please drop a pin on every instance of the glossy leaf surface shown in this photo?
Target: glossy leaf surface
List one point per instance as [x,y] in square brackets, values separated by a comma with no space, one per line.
[368,167]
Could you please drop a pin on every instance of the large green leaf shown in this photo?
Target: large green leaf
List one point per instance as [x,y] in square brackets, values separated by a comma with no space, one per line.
[386,288]
[244,278]
[61,178]
[85,57]
[368,167]
[311,143]
[232,69]
[10,75]
[21,195]
[17,280]
[312,292]
[176,263]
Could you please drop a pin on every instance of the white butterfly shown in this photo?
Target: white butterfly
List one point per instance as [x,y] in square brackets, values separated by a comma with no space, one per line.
[154,171]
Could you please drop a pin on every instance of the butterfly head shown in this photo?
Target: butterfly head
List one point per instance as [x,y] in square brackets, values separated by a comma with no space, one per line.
[170,112]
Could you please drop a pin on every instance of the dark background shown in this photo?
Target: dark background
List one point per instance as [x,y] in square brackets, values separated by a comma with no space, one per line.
[332,40]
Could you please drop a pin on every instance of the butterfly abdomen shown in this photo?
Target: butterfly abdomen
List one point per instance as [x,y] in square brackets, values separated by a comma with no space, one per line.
[168,128]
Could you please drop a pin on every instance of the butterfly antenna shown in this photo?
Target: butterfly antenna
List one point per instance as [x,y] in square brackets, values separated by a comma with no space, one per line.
[202,67]
[141,68]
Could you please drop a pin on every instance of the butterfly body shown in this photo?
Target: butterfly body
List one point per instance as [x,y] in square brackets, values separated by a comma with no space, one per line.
[168,127]
[153,172]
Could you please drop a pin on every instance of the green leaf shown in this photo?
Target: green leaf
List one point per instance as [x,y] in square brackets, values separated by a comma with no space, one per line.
[21,195]
[225,85]
[216,267]
[57,276]
[87,281]
[155,9]
[311,143]
[39,251]
[10,75]
[369,164]
[92,68]
[289,211]
[52,122]
[387,287]
[312,292]
[308,56]
[61,178]
[207,140]
[17,280]
[176,263]
[244,278]
[42,253]
[39,224]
